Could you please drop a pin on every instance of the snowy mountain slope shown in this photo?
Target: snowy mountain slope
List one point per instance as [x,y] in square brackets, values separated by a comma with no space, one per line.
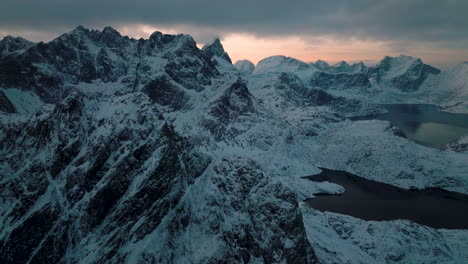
[321,65]
[280,90]
[405,73]
[6,105]
[245,67]
[87,160]
[402,79]
[343,239]
[455,95]
[11,44]
[373,149]
[277,64]
[401,74]
[343,66]
[117,183]
[460,145]
[340,67]
[161,153]
[23,101]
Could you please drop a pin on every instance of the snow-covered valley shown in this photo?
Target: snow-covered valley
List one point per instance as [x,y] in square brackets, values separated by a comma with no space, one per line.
[118,150]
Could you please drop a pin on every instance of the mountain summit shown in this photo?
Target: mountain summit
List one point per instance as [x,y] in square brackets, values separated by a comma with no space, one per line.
[215,48]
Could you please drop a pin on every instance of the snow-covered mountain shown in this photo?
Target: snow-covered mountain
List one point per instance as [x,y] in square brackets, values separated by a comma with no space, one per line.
[401,74]
[245,67]
[277,64]
[343,66]
[340,67]
[117,150]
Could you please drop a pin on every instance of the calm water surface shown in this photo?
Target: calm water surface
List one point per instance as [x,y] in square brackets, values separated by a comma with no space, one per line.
[370,200]
[424,124]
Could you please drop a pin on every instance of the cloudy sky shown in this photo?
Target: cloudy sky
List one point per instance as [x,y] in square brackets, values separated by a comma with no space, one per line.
[332,30]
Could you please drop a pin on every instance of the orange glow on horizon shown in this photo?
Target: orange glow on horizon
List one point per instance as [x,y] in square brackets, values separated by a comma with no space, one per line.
[242,45]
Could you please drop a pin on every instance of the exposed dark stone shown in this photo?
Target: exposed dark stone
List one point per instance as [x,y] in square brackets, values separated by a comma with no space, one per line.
[25,238]
[339,81]
[5,104]
[165,93]
[216,49]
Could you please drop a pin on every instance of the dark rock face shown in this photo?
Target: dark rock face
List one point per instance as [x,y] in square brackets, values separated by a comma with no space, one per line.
[326,80]
[83,185]
[408,80]
[11,44]
[89,55]
[5,104]
[165,92]
[340,67]
[344,67]
[405,74]
[248,192]
[235,103]
[292,87]
[252,218]
[216,49]
[460,145]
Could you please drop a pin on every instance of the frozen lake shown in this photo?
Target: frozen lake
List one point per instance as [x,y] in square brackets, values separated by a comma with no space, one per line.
[371,200]
[425,124]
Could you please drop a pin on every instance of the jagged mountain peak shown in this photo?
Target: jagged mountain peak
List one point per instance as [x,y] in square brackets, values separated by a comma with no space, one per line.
[405,73]
[403,60]
[84,56]
[110,30]
[320,63]
[215,48]
[80,28]
[10,38]
[341,64]
[401,63]
[11,44]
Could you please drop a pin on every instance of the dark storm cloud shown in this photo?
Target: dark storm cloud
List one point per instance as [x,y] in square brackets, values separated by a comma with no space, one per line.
[401,21]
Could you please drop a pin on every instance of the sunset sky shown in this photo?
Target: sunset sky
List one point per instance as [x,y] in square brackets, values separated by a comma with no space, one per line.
[330,30]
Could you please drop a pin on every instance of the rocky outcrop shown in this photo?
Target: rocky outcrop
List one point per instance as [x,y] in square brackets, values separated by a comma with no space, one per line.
[5,104]
[404,73]
[216,49]
[234,105]
[459,145]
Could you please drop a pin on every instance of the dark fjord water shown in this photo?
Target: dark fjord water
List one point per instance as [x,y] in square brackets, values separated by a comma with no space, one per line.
[370,200]
[424,124]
